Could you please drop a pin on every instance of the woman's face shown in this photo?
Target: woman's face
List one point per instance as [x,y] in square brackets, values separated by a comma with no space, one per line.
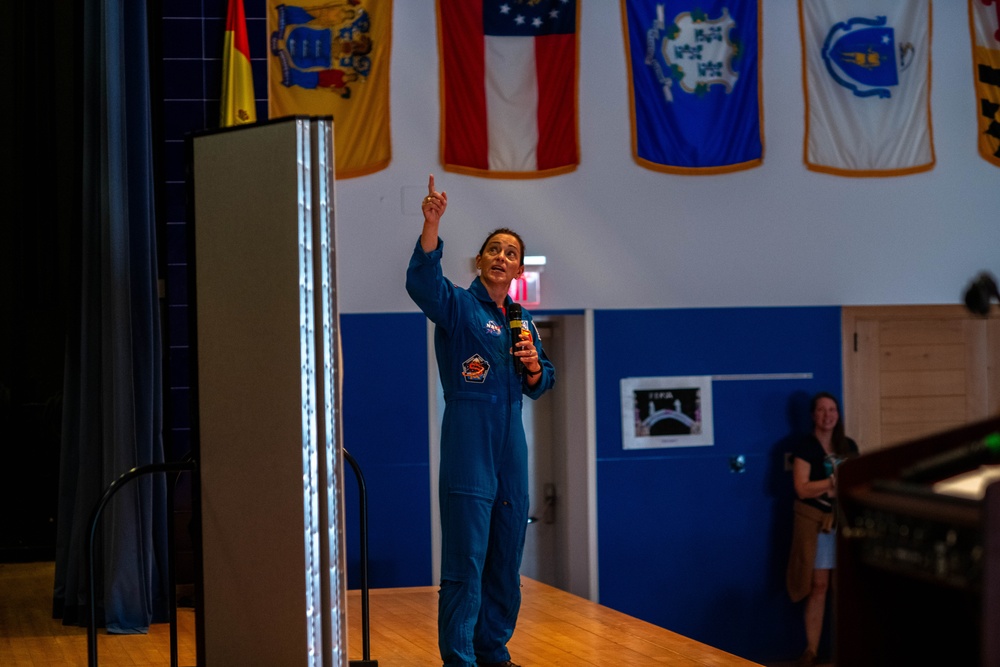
[500,262]
[825,414]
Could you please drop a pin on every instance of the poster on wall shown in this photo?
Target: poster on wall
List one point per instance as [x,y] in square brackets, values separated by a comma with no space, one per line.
[667,412]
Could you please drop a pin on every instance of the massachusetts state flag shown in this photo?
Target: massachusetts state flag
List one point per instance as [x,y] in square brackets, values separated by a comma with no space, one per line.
[332,59]
[984,19]
[237,104]
[867,86]
[509,87]
[694,84]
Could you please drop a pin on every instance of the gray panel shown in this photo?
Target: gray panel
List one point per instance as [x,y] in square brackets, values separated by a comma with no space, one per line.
[257,396]
[328,339]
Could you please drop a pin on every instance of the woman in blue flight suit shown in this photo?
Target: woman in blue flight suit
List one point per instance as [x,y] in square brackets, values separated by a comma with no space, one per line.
[484,472]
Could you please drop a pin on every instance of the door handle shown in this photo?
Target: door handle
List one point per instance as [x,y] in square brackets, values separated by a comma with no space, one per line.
[549,499]
[549,502]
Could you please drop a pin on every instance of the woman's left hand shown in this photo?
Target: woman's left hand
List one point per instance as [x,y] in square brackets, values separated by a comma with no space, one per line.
[527,352]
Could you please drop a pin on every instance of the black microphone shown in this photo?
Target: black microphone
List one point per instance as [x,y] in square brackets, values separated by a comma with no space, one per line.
[955,461]
[979,293]
[514,321]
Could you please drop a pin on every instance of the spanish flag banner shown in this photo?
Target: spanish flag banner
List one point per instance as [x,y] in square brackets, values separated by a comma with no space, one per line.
[332,59]
[984,20]
[237,106]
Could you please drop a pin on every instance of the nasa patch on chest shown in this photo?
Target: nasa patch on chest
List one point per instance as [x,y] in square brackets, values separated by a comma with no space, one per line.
[493,329]
[475,369]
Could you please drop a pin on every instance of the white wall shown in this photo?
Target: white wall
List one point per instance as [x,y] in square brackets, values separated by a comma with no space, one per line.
[620,236]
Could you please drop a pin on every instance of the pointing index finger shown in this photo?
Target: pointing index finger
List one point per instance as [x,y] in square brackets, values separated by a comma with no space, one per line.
[430,185]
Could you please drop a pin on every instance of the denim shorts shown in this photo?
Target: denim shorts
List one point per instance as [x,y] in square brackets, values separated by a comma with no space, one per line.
[826,551]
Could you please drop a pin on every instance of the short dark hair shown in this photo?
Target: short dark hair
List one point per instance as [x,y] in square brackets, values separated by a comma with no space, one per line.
[504,230]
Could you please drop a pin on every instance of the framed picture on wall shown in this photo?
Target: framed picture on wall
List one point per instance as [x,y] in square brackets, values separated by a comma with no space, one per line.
[667,412]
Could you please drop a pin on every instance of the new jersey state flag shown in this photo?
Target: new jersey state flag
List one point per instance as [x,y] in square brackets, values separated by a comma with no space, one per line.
[332,59]
[867,86]
[694,84]
[508,87]
[984,20]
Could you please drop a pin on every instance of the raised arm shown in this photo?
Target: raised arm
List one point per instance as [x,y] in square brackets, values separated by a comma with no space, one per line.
[433,207]
[426,285]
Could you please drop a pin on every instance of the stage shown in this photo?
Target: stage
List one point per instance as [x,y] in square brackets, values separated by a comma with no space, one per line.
[554,629]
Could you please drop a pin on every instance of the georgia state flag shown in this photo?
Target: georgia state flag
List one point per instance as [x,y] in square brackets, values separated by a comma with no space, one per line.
[509,87]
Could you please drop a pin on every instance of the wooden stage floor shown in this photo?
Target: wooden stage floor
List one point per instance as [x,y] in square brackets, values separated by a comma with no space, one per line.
[554,629]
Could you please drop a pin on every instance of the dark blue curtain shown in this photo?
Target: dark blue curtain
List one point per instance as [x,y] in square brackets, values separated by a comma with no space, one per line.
[112,418]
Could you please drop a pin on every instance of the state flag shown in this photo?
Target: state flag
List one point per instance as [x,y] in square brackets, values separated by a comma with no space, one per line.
[867,86]
[332,59]
[984,22]
[509,87]
[694,84]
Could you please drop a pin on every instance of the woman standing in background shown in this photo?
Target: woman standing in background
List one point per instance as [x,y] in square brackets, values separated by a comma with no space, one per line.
[813,555]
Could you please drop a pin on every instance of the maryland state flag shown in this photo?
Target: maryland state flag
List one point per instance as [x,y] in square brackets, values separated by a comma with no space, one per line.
[237,107]
[332,59]
[985,23]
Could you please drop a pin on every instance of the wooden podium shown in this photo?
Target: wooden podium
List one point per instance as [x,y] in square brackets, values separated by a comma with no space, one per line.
[918,570]
[266,431]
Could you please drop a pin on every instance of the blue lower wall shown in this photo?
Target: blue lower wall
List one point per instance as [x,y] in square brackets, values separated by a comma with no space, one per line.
[385,408]
[683,542]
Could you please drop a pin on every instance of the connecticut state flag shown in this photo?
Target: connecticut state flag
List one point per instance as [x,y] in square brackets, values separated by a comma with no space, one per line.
[694,84]
[508,87]
[332,59]
[984,19]
[867,86]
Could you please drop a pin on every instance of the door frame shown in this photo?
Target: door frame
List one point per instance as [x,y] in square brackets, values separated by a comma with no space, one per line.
[580,559]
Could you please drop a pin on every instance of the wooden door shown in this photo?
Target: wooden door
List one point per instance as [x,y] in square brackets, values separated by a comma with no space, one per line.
[911,371]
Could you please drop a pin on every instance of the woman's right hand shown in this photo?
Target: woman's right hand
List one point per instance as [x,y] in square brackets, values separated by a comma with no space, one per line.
[434,204]
[433,207]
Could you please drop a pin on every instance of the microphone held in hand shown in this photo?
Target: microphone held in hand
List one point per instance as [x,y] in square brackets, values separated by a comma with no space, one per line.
[514,321]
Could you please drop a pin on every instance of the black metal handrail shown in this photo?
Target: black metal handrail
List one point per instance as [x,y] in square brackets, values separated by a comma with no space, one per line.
[366,660]
[113,488]
[190,465]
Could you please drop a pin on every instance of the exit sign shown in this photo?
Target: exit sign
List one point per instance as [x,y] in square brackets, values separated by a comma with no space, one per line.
[527,289]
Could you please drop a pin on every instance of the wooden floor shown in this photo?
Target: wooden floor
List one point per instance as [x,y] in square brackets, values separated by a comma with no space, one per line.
[30,637]
[554,629]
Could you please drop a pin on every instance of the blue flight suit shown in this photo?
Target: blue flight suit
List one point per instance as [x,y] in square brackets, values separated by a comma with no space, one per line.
[483,486]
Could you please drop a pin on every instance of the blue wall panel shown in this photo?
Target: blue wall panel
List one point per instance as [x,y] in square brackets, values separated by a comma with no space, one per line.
[684,542]
[385,430]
